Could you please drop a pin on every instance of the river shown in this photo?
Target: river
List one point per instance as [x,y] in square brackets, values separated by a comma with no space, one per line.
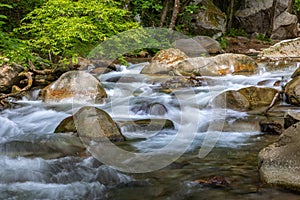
[234,156]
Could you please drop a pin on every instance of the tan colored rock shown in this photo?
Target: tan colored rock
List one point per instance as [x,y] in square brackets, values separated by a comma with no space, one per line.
[284,49]
[219,65]
[292,91]
[74,86]
[163,61]
[245,99]
[279,163]
[95,124]
[9,77]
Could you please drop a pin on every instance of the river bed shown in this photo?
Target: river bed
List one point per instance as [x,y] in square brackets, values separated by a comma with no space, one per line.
[234,156]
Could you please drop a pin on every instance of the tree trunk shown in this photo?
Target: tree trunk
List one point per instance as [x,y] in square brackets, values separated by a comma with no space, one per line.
[272,18]
[230,15]
[164,13]
[174,14]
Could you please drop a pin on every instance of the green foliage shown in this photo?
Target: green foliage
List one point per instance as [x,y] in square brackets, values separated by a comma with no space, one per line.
[297,5]
[223,42]
[148,10]
[11,49]
[233,32]
[17,11]
[263,37]
[68,28]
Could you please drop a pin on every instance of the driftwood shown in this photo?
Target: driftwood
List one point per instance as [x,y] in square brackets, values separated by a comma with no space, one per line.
[40,72]
[28,75]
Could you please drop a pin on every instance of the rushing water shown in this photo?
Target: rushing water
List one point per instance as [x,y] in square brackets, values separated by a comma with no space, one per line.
[234,156]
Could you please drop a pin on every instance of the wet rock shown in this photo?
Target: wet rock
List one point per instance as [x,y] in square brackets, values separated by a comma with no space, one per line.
[48,146]
[95,124]
[219,65]
[271,127]
[150,109]
[279,163]
[142,125]
[207,66]
[284,49]
[291,118]
[182,82]
[163,61]
[66,126]
[208,19]
[9,77]
[91,123]
[216,181]
[246,99]
[76,87]
[296,73]
[292,91]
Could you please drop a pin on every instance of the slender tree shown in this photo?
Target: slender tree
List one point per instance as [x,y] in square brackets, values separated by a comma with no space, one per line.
[175,13]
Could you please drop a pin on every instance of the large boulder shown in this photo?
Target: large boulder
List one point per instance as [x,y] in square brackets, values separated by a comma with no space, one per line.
[163,61]
[74,86]
[208,19]
[92,124]
[291,118]
[254,16]
[286,48]
[219,65]
[9,77]
[198,46]
[292,91]
[246,99]
[279,163]
[285,26]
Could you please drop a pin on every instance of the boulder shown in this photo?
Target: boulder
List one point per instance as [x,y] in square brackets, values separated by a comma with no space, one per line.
[292,91]
[163,61]
[254,17]
[208,19]
[150,108]
[211,45]
[296,73]
[286,48]
[191,47]
[279,163]
[219,65]
[291,118]
[198,46]
[246,99]
[67,125]
[270,127]
[47,146]
[76,87]
[91,123]
[95,124]
[222,64]
[145,124]
[285,26]
[9,77]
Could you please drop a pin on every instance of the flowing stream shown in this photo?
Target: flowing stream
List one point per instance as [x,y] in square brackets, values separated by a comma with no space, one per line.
[133,96]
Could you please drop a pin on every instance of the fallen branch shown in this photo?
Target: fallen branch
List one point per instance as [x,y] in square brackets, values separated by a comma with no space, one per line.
[27,87]
[39,72]
[277,95]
